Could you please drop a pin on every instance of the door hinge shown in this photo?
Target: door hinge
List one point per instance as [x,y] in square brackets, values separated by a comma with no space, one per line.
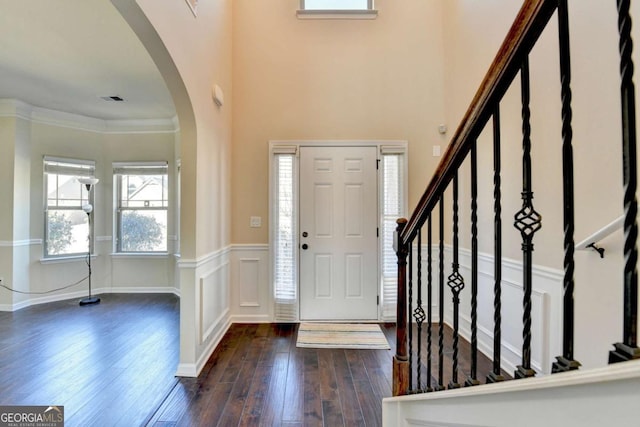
[378,300]
[378,232]
[377,164]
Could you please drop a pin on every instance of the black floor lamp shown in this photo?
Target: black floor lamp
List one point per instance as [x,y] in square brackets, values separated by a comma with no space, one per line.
[88,209]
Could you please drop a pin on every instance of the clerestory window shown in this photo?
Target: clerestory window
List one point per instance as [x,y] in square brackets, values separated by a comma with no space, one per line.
[337,9]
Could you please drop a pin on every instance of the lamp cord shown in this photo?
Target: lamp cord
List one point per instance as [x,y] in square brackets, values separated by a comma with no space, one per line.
[44,292]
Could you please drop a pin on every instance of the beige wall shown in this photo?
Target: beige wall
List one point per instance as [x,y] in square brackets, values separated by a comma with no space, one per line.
[200,50]
[331,79]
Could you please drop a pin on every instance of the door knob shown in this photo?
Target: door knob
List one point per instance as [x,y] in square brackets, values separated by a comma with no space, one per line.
[305,246]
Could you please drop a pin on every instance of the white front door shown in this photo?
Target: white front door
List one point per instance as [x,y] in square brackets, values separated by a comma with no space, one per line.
[338,233]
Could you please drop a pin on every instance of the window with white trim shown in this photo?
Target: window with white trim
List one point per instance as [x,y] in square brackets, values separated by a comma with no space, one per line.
[393,206]
[285,276]
[142,206]
[66,224]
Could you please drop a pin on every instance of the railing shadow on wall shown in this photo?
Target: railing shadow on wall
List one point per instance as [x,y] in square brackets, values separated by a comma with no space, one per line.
[415,356]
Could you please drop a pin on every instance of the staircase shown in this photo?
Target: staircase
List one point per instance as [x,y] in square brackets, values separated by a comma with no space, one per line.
[430,266]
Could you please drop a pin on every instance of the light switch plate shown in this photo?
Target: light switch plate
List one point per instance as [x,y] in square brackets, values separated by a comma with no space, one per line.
[255,222]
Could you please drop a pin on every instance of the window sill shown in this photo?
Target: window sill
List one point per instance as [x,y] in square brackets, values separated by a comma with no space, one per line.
[65,259]
[140,255]
[337,14]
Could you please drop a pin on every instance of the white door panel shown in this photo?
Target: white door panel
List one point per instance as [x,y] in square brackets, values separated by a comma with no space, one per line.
[338,213]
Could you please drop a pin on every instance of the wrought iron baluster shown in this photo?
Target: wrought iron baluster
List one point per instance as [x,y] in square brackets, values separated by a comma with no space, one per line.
[429,304]
[410,325]
[628,349]
[472,380]
[419,315]
[528,222]
[440,385]
[496,375]
[565,362]
[456,284]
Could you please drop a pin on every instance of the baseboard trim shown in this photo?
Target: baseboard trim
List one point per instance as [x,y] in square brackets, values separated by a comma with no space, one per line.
[257,318]
[192,370]
[80,294]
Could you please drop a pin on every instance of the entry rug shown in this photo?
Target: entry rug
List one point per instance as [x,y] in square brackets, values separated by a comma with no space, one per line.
[366,336]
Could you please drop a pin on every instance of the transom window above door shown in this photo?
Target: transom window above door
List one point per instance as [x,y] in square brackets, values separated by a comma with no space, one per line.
[337,9]
[336,4]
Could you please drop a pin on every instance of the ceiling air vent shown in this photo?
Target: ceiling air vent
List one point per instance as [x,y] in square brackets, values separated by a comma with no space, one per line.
[115,98]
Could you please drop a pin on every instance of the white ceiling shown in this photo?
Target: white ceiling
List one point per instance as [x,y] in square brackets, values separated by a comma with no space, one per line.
[66,54]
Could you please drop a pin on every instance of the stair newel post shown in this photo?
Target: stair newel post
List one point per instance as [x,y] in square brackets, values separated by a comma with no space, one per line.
[496,375]
[565,362]
[528,222]
[456,284]
[400,360]
[628,349]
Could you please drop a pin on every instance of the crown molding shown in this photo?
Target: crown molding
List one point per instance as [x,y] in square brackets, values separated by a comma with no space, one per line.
[22,110]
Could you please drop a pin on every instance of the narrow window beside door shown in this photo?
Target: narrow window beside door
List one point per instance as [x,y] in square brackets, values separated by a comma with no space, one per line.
[285,276]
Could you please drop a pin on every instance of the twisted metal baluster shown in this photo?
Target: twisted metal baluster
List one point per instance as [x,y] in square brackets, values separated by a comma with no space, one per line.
[418,313]
[440,385]
[410,325]
[472,380]
[565,362]
[496,375]
[628,349]
[528,222]
[429,304]
[456,283]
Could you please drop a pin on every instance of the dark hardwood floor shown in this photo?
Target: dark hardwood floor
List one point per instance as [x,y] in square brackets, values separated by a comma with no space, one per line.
[113,364]
[258,377]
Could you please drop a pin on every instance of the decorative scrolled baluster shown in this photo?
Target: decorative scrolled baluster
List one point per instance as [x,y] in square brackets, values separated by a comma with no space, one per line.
[456,284]
[419,315]
[528,222]
[628,349]
[410,307]
[496,374]
[565,362]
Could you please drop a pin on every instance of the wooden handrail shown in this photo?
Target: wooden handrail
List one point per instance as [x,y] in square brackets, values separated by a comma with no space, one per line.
[525,31]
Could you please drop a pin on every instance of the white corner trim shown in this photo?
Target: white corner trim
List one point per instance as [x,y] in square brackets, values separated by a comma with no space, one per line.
[193,369]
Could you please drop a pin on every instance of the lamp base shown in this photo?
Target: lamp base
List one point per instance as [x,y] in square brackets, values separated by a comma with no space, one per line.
[90,301]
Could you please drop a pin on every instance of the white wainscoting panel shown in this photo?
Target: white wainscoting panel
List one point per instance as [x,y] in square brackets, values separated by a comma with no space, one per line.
[214,300]
[249,282]
[546,341]
[251,295]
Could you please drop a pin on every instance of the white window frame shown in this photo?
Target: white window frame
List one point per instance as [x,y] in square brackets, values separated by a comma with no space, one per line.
[67,167]
[137,168]
[293,147]
[369,13]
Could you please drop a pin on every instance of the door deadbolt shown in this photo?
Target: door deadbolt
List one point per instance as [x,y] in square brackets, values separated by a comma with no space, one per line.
[305,234]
